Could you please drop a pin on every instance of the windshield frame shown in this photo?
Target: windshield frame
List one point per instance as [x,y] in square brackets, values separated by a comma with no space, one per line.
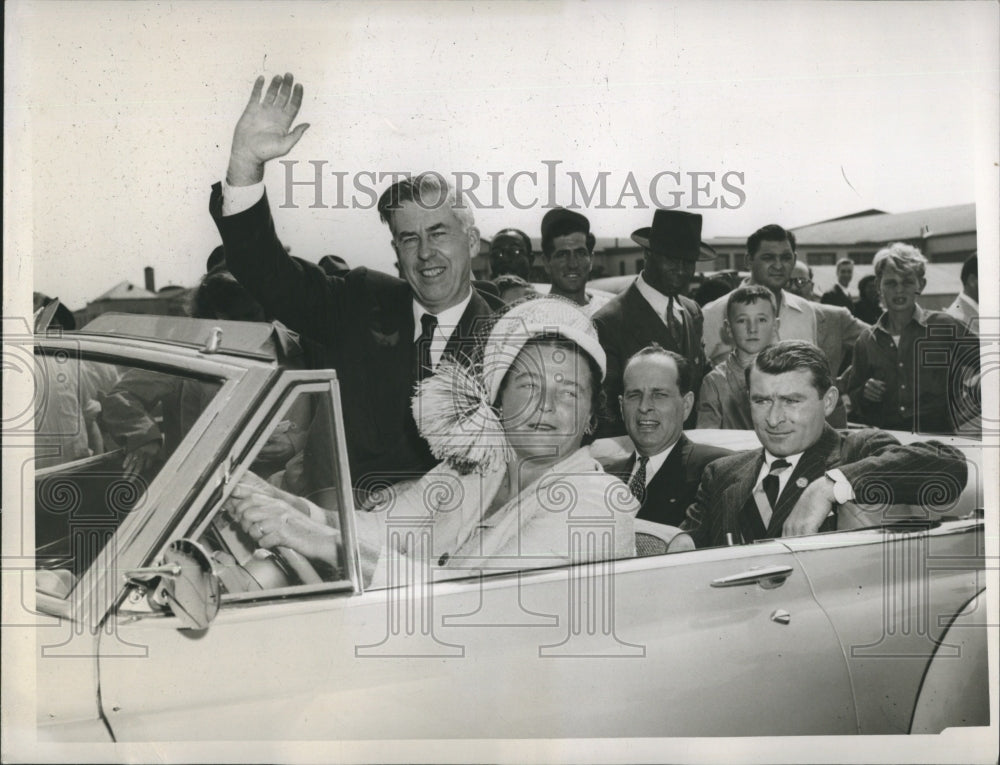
[242,382]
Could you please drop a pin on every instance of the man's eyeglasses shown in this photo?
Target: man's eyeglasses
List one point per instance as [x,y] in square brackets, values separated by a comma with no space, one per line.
[799,281]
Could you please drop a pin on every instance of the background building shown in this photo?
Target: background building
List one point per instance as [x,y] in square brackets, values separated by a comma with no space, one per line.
[125,297]
[946,236]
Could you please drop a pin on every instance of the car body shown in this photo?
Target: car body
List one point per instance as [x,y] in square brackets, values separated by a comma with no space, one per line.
[877,630]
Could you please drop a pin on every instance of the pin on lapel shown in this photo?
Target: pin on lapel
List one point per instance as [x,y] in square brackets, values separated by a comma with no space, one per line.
[802,483]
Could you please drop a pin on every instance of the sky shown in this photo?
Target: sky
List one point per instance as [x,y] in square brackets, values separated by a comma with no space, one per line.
[119,118]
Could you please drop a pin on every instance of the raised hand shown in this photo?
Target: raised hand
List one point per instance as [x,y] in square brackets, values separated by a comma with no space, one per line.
[264,131]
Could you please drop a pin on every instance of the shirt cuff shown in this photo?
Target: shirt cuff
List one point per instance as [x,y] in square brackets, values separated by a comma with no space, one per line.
[842,489]
[236,199]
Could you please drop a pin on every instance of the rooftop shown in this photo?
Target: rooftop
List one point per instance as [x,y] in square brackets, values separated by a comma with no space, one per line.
[878,228]
[125,291]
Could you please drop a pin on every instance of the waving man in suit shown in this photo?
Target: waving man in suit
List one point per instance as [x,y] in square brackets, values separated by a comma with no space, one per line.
[382,334]
[807,469]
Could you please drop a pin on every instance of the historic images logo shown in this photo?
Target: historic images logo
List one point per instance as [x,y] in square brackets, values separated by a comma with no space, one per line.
[320,187]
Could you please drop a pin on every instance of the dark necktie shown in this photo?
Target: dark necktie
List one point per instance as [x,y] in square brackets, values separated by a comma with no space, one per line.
[637,484]
[674,327]
[771,482]
[428,323]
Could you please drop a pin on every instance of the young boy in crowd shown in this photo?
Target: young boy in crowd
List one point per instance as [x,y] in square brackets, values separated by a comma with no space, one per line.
[751,320]
[914,369]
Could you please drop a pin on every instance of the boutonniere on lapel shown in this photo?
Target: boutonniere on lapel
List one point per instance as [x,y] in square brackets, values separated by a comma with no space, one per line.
[801,483]
[384,336]
[385,339]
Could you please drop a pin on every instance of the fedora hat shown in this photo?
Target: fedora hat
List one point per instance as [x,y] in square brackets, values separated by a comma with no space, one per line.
[675,234]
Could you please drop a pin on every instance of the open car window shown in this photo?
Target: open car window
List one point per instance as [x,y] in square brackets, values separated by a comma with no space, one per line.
[103,432]
[293,468]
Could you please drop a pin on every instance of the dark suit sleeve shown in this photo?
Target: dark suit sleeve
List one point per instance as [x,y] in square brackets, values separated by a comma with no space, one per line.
[883,471]
[297,293]
[699,519]
[864,411]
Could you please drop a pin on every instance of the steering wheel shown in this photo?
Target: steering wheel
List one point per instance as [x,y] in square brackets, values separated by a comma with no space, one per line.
[299,564]
[267,568]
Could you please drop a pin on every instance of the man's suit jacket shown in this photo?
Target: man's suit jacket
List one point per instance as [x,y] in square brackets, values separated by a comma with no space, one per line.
[872,460]
[675,484]
[364,321]
[837,296]
[628,324]
[837,329]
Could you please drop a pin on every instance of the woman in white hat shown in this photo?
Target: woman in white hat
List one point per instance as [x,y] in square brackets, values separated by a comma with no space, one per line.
[516,481]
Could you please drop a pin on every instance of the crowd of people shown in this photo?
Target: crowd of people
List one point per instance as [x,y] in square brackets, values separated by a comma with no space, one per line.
[498,391]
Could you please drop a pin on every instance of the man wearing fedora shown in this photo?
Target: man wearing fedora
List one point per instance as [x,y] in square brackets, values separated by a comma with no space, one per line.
[654,308]
[568,252]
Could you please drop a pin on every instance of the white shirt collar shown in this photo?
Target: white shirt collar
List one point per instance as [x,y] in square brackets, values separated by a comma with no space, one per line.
[783,477]
[447,321]
[656,299]
[655,462]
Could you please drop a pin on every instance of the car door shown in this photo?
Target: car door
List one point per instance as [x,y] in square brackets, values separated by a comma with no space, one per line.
[725,641]
[891,592]
[642,648]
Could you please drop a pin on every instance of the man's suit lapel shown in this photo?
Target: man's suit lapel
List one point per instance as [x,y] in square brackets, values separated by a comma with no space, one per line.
[685,449]
[641,321]
[667,479]
[390,325]
[693,337]
[815,462]
[470,327]
[739,490]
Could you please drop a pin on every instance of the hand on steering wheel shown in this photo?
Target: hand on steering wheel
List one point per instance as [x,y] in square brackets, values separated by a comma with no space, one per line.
[273,523]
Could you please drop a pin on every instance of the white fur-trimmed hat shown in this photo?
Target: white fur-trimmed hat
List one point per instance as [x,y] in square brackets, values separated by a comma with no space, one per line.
[454,407]
[542,317]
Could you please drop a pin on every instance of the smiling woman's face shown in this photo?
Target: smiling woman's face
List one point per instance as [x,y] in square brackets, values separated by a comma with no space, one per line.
[546,401]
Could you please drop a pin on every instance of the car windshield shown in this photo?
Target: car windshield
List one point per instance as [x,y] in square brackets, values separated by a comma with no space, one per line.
[103,432]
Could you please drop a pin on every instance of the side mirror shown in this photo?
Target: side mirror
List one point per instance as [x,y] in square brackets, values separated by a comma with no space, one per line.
[188,583]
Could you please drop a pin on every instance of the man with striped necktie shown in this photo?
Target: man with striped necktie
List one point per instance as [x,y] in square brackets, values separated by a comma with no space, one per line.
[806,470]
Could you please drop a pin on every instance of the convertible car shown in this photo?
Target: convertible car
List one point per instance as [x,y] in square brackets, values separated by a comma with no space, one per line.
[161,621]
